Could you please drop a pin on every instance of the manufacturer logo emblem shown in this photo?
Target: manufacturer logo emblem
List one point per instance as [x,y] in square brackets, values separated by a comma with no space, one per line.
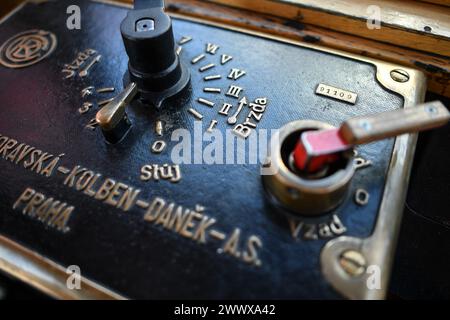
[27,48]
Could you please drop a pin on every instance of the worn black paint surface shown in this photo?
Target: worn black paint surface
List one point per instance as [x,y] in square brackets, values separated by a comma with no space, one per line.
[120,250]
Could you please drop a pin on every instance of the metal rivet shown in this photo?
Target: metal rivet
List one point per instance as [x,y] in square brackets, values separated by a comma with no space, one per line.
[366,125]
[353,263]
[400,75]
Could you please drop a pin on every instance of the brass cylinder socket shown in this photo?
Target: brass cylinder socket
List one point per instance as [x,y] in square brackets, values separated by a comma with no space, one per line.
[299,194]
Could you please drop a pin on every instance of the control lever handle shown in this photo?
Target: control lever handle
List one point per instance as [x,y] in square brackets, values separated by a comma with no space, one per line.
[113,119]
[154,64]
[365,129]
[316,149]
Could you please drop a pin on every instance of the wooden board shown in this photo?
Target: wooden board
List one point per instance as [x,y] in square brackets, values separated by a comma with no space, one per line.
[439,2]
[415,25]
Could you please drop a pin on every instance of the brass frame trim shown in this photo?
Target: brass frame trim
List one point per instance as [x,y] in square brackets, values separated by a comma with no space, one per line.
[13,12]
[49,276]
[46,275]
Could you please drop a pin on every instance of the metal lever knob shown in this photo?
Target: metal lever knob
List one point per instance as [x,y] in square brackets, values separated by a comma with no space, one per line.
[113,119]
[315,149]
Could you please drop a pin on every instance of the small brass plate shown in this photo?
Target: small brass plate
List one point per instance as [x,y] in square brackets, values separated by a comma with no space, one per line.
[336,93]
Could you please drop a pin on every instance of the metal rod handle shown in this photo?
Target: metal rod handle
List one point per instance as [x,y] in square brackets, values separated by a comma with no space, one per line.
[371,128]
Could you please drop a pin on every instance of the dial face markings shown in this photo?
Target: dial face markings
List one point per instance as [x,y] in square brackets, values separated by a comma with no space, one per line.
[196,114]
[159,128]
[105,102]
[85,72]
[244,113]
[225,59]
[85,107]
[234,91]
[213,77]
[198,58]
[222,94]
[206,102]
[226,107]
[158,146]
[233,118]
[207,67]
[88,91]
[235,74]
[92,92]
[92,124]
[212,90]
[212,48]
[232,111]
[212,125]
[106,90]
[184,40]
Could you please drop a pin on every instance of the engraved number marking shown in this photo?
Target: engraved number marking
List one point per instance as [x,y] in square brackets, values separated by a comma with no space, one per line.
[336,93]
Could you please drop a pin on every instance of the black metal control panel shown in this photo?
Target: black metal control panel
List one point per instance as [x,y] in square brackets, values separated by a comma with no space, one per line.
[170,211]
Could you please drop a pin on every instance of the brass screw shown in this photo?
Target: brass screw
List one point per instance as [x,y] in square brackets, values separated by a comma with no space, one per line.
[400,75]
[353,263]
